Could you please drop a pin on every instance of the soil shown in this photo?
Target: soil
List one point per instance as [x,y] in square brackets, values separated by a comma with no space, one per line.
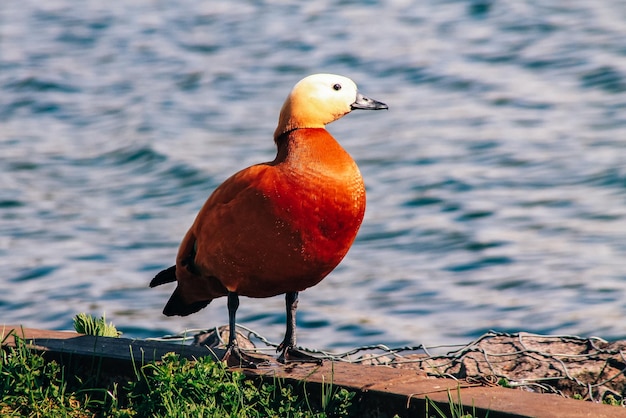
[591,369]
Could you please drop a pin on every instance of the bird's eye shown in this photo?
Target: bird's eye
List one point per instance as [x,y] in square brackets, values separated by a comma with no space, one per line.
[337,87]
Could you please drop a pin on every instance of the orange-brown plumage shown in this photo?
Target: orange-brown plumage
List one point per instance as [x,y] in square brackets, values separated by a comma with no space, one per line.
[282,226]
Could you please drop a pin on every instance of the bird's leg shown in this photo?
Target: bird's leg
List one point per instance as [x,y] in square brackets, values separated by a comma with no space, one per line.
[233,305]
[233,355]
[291,303]
[287,348]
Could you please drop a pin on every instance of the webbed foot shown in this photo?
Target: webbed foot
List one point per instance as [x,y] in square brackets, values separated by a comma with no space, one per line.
[293,355]
[235,357]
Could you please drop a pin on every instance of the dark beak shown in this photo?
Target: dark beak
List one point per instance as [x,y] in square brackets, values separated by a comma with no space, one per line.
[363,102]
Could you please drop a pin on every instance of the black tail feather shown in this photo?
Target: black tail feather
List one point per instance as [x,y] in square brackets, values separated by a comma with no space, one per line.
[177,306]
[166,276]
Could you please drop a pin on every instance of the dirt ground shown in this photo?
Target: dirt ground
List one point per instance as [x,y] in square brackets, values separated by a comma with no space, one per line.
[591,369]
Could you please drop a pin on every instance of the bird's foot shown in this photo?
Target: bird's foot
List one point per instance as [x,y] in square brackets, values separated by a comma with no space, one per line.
[235,357]
[293,355]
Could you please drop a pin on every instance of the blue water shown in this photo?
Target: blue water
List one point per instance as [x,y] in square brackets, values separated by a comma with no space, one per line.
[496,181]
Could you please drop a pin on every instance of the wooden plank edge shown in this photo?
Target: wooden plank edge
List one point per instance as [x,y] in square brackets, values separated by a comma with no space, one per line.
[123,349]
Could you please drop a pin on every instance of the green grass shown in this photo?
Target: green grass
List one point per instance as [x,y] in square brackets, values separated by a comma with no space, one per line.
[180,388]
[90,325]
[172,387]
[30,386]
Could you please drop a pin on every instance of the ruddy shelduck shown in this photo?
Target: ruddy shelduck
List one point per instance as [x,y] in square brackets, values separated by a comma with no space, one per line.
[281,226]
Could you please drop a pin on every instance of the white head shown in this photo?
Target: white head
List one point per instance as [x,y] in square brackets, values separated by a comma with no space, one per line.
[319,99]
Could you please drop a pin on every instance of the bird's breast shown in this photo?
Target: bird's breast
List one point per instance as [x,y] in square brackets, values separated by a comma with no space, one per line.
[325,212]
[320,193]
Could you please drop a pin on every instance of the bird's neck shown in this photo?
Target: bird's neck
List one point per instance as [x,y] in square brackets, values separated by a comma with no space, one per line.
[313,149]
[304,113]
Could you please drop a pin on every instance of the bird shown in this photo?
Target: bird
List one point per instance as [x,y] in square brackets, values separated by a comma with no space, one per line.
[282,226]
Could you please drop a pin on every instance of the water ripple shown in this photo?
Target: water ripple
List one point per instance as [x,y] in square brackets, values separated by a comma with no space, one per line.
[496,181]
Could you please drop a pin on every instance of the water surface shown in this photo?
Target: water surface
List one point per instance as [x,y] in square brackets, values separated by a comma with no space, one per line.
[496,181]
